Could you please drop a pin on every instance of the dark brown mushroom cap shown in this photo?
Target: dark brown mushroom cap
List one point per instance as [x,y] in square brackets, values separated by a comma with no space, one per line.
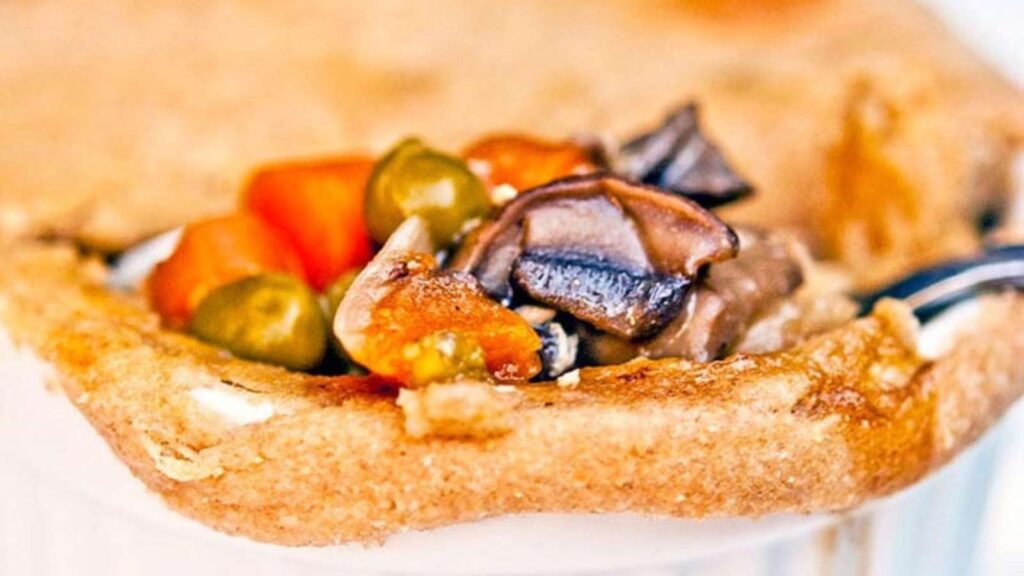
[678,235]
[677,156]
[618,255]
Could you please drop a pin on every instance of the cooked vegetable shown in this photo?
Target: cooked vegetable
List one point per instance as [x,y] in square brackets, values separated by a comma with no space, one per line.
[408,248]
[678,157]
[422,304]
[212,253]
[617,255]
[627,302]
[270,318]
[678,235]
[524,162]
[558,349]
[413,180]
[732,295]
[445,357]
[318,207]
[401,298]
[719,310]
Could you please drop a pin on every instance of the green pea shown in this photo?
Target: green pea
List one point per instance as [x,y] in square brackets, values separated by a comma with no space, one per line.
[270,318]
[415,180]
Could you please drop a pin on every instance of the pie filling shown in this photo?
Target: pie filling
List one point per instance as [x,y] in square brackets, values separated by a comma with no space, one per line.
[518,260]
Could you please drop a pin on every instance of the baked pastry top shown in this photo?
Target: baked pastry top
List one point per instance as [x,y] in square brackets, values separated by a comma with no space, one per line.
[153,114]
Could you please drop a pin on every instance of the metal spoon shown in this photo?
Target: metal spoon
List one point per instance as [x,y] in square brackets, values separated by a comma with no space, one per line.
[930,290]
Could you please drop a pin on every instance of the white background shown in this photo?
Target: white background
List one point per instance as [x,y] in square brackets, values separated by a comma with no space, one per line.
[996,29]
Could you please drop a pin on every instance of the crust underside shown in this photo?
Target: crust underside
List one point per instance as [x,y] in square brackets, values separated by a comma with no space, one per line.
[845,417]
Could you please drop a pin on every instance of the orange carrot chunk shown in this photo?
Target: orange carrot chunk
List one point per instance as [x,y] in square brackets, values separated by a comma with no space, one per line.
[212,253]
[524,162]
[422,305]
[318,207]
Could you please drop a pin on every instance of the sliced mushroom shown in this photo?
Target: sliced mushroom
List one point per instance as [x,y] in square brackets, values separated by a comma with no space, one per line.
[559,342]
[600,214]
[558,349]
[718,311]
[626,302]
[677,156]
[618,255]
[501,248]
[597,226]
[733,294]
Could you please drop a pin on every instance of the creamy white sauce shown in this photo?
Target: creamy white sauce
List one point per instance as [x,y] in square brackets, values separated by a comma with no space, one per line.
[137,262]
[233,406]
[938,336]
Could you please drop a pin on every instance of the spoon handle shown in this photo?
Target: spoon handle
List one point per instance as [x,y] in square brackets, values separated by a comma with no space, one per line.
[930,290]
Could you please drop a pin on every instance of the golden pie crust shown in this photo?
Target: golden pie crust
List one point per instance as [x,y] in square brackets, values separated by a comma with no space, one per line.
[840,419]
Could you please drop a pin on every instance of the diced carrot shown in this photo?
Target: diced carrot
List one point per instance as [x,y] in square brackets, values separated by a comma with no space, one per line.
[318,207]
[212,253]
[421,305]
[524,162]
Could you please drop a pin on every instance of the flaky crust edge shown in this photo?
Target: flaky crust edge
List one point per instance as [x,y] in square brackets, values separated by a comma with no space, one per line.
[846,417]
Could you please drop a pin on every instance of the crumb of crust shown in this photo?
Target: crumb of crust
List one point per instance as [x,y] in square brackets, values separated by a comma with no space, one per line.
[179,463]
[474,410]
[898,316]
[569,379]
